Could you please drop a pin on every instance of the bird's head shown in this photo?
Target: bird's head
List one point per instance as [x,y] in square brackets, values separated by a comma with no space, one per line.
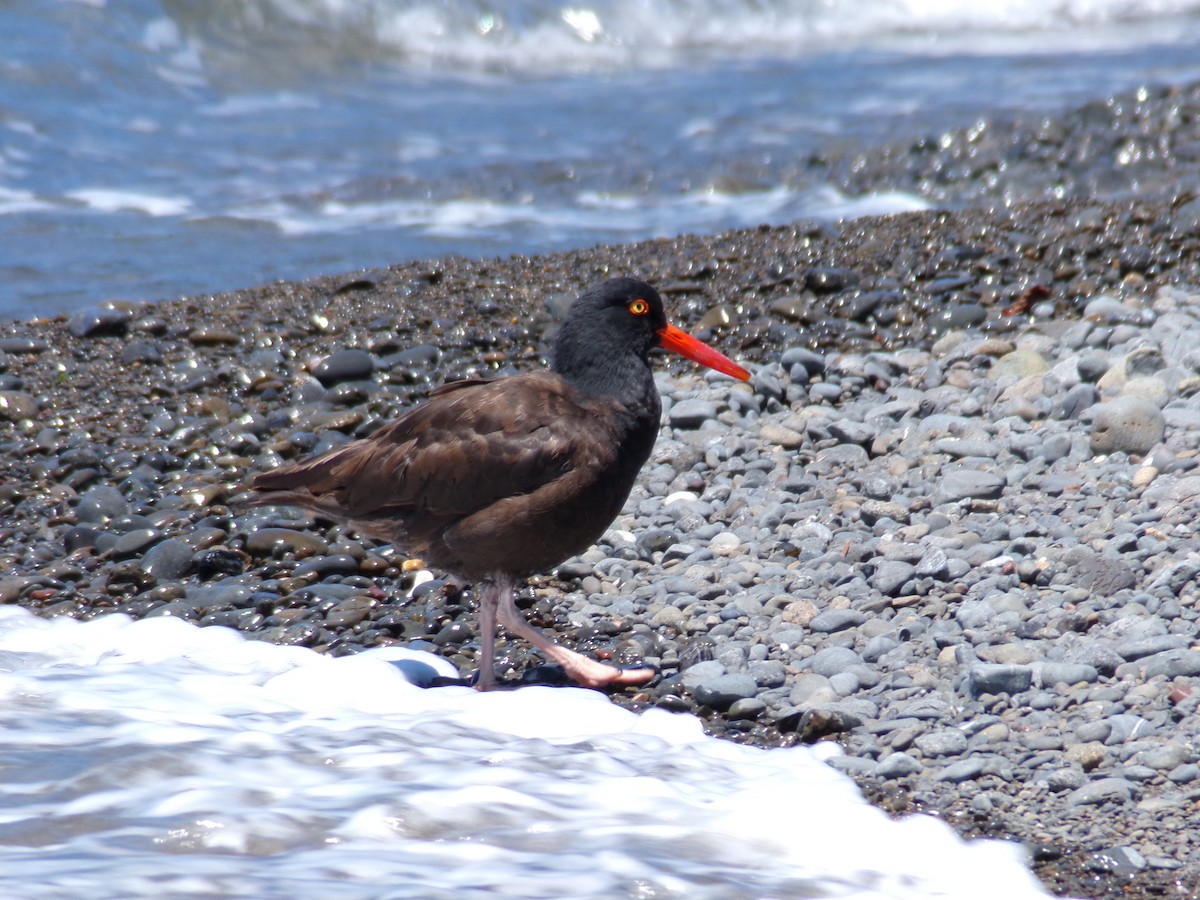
[621,316]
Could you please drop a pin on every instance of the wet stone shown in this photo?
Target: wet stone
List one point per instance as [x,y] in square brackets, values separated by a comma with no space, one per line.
[302,634]
[453,634]
[325,566]
[219,561]
[99,321]
[17,405]
[81,536]
[722,691]
[168,560]
[327,594]
[349,612]
[134,542]
[241,619]
[828,279]
[422,356]
[141,352]
[277,541]
[212,336]
[344,365]
[179,609]
[18,345]
[824,721]
[100,504]
[220,595]
[746,708]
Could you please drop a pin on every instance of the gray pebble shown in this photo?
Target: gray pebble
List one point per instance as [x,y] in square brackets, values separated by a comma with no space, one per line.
[898,765]
[890,576]
[1103,790]
[946,742]
[832,660]
[957,484]
[1052,673]
[1127,425]
[1171,663]
[691,414]
[721,692]
[836,620]
[990,678]
[963,770]
[1184,774]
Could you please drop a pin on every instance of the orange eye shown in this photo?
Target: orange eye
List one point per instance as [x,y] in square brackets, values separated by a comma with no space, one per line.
[639,307]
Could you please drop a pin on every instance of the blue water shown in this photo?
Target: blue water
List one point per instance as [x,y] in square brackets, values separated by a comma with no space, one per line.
[151,150]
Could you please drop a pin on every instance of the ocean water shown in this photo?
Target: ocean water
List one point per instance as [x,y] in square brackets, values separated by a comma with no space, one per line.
[158,759]
[150,150]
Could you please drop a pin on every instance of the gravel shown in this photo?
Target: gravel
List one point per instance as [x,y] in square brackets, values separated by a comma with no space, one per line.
[949,525]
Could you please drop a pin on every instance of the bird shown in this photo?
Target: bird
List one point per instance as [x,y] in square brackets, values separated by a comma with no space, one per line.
[497,480]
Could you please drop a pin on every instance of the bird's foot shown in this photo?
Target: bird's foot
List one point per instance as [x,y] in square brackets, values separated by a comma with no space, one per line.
[592,674]
[597,676]
[482,681]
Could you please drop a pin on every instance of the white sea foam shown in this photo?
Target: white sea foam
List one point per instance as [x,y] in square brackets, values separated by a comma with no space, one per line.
[552,34]
[617,215]
[15,201]
[113,200]
[154,758]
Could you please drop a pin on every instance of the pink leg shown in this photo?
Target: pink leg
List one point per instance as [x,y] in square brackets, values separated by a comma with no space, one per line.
[487,637]
[580,669]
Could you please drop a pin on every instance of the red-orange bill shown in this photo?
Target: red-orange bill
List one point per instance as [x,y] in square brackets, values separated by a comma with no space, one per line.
[684,344]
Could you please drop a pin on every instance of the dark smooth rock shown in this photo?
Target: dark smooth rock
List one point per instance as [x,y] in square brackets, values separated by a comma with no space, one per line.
[100,504]
[344,365]
[721,692]
[992,678]
[99,321]
[168,560]
[967,484]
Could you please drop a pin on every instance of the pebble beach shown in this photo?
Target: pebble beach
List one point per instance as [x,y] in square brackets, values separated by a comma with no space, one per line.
[949,524]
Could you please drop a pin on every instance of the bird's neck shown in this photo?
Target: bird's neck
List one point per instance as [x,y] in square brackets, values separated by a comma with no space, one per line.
[622,376]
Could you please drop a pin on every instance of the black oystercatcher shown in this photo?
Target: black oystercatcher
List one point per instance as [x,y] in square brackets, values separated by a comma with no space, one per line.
[497,480]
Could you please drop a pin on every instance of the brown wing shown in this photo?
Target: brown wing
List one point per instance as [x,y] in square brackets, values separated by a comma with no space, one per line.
[469,447]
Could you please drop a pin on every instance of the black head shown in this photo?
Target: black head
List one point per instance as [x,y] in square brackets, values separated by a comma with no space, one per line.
[608,335]
[614,318]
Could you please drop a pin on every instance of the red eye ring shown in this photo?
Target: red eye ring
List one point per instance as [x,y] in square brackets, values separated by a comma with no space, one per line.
[639,307]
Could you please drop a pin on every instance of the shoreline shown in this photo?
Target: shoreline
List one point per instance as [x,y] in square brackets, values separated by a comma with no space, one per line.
[207,389]
[125,430]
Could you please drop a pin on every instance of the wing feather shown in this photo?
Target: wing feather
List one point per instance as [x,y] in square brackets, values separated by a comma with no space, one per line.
[469,447]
